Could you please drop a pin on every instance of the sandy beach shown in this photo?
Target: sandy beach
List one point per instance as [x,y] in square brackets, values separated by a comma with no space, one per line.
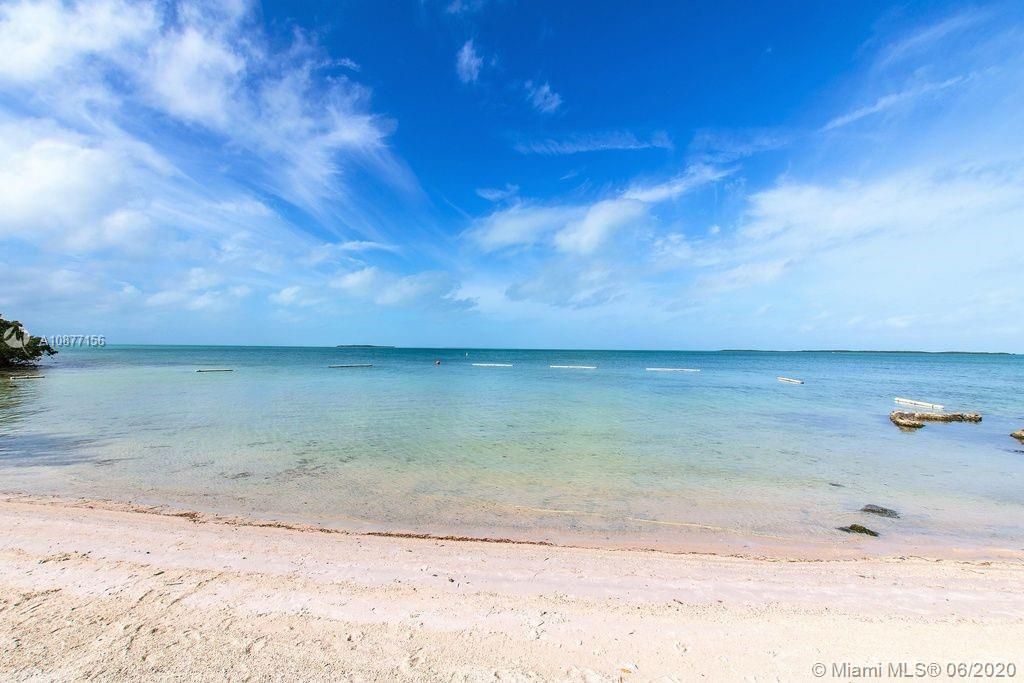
[103,592]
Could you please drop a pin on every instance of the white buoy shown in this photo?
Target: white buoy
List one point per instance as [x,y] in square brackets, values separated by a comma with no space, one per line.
[790,380]
[574,367]
[672,369]
[919,404]
[492,365]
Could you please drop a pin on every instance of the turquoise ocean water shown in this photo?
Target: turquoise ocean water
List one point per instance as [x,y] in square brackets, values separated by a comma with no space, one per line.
[725,458]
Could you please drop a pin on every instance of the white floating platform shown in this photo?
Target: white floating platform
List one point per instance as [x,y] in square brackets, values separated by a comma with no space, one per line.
[919,404]
[217,370]
[790,380]
[352,365]
[492,365]
[574,367]
[672,369]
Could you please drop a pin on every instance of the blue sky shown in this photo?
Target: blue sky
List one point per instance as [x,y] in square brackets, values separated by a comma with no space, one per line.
[514,174]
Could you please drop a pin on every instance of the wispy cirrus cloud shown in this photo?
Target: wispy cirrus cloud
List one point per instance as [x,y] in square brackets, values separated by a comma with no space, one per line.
[464,6]
[498,194]
[893,100]
[925,37]
[542,97]
[594,142]
[695,176]
[712,146]
[468,63]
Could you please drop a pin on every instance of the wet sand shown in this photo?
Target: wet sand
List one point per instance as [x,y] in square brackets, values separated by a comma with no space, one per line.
[108,592]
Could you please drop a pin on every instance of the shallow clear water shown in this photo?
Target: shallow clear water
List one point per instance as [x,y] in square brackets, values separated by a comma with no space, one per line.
[617,455]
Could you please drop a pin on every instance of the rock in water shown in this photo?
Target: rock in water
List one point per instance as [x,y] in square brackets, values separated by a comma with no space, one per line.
[880,511]
[858,529]
[903,422]
[1019,435]
[906,420]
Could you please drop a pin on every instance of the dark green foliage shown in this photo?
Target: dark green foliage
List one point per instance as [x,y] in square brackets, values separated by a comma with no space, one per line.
[18,347]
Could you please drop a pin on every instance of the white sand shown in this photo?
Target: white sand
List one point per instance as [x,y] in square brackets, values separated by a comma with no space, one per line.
[103,592]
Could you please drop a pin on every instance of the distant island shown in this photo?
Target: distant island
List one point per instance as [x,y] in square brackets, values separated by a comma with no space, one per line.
[936,353]
[363,346]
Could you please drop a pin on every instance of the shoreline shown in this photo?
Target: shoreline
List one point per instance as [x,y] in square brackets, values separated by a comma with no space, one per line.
[700,539]
[108,593]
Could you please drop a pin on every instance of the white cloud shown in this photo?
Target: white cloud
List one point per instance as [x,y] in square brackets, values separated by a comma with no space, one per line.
[712,146]
[568,287]
[410,289]
[893,100]
[692,178]
[195,76]
[201,278]
[348,251]
[913,203]
[542,97]
[388,289]
[468,63]
[520,225]
[672,250]
[594,142]
[42,38]
[156,142]
[460,6]
[40,161]
[359,282]
[208,66]
[742,276]
[599,223]
[582,228]
[926,37]
[939,239]
[286,296]
[125,228]
[192,301]
[494,194]
[165,298]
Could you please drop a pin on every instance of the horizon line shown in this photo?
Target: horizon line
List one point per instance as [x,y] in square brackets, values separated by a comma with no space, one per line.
[513,348]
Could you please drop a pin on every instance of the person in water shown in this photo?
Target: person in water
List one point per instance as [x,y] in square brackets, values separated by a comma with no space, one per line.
[437,362]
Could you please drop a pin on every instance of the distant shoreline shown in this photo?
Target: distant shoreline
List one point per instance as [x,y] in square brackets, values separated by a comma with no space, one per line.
[362,346]
[933,353]
[557,350]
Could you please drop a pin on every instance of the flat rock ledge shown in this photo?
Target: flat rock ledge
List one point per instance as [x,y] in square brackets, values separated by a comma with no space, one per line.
[908,420]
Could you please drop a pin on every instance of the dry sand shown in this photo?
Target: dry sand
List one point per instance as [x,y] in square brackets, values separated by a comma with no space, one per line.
[108,592]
